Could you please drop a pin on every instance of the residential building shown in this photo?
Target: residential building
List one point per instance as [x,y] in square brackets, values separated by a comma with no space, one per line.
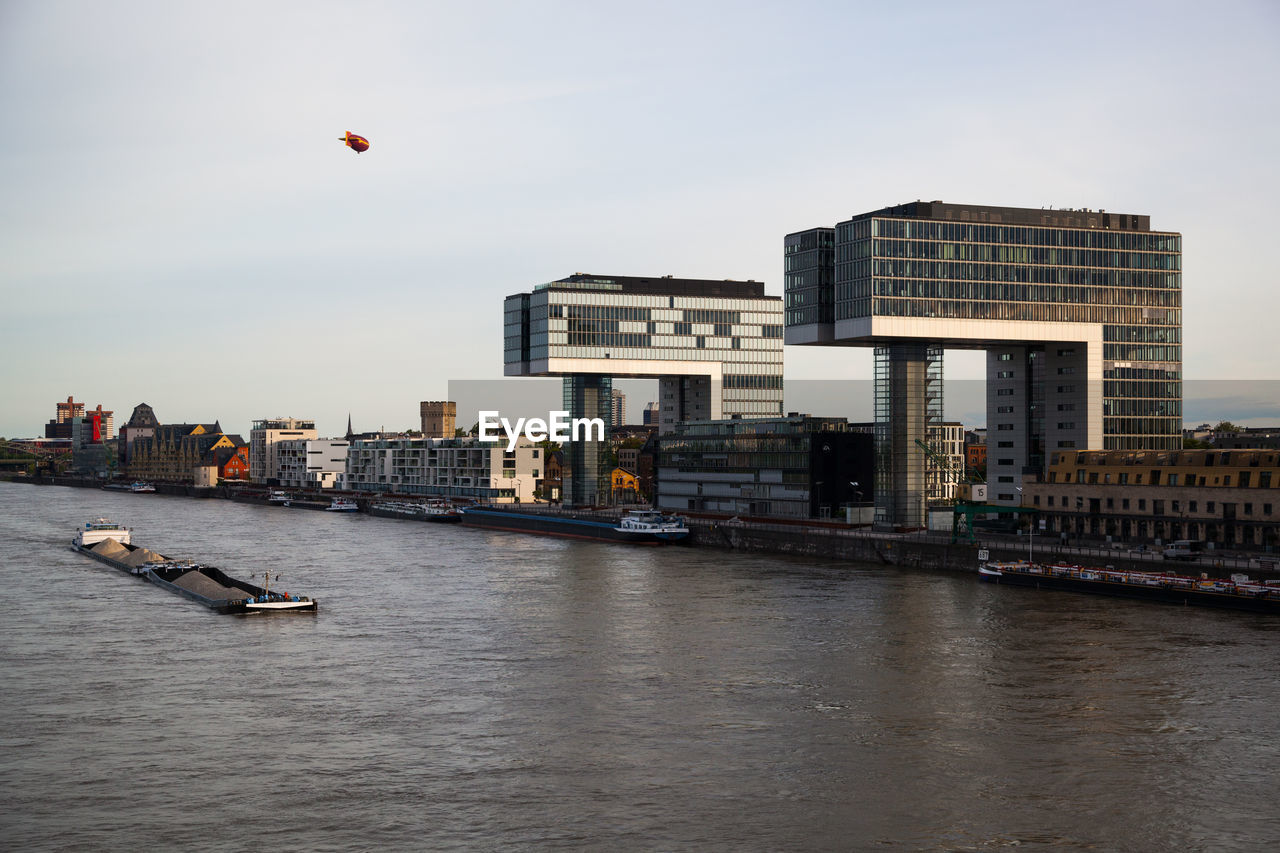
[1079,312]
[944,476]
[793,467]
[264,461]
[714,346]
[618,411]
[463,468]
[311,463]
[1226,497]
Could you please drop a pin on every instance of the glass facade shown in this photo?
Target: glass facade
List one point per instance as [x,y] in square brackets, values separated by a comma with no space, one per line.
[610,319]
[935,260]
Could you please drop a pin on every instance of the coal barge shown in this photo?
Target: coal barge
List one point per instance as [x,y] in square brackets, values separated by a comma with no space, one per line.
[110,544]
[1236,593]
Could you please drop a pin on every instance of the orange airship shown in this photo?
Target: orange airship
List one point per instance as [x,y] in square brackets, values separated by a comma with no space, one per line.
[355,143]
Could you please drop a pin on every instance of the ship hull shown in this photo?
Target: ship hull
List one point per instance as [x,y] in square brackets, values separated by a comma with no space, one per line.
[1138,591]
[558,525]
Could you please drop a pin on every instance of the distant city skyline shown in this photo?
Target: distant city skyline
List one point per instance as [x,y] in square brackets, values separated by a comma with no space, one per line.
[182,228]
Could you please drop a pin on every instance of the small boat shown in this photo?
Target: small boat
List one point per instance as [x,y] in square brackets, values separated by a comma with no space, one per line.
[1235,593]
[342,505]
[99,530]
[275,496]
[654,523]
[140,488]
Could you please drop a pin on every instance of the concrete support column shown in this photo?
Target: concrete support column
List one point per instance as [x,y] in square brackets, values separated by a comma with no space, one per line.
[585,475]
[908,400]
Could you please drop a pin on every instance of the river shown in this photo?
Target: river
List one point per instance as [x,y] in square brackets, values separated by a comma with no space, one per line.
[473,690]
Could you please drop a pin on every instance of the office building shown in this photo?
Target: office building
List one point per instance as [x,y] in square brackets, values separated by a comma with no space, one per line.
[618,411]
[714,346]
[794,467]
[1079,312]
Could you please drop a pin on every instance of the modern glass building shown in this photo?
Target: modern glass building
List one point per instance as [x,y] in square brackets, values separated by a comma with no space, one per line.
[794,467]
[1079,312]
[714,346]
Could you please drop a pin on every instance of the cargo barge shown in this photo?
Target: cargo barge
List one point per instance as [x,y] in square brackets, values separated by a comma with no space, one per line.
[644,527]
[1236,593]
[206,585]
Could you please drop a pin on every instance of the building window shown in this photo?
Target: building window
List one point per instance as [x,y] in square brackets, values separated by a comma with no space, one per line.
[1208,507]
[1004,444]
[1004,479]
[1050,500]
[1005,496]
[1004,461]
[1004,427]
[1066,389]
[1004,410]
[1248,509]
[1005,356]
[1062,353]
[1142,504]
[1004,374]
[1004,392]
[1063,371]
[1192,507]
[1124,503]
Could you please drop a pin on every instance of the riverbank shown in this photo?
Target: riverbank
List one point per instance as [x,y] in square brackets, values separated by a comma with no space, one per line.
[823,540]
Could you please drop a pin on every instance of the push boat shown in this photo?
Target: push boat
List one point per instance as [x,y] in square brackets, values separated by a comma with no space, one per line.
[1236,593]
[342,505]
[99,530]
[206,585]
[647,527]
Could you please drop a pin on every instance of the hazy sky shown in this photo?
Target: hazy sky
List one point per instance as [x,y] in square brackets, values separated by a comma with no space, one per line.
[179,224]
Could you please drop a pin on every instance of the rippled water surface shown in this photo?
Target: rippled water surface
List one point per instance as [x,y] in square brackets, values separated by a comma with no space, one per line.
[467,690]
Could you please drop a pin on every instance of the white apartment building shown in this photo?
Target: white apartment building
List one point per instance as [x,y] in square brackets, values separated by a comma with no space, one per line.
[444,467]
[264,463]
[947,440]
[310,463]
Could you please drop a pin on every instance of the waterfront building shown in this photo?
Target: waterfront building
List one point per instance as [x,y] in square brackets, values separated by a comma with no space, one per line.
[1079,312]
[310,463]
[461,468]
[1227,497]
[625,486]
[173,451]
[714,346]
[264,462]
[142,424]
[101,421]
[438,418]
[793,467]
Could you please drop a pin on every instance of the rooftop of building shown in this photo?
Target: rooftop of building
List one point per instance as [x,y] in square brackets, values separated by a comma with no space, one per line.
[658,286]
[1055,217]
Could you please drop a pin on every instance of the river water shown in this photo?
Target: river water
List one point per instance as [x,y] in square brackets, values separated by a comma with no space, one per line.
[472,690]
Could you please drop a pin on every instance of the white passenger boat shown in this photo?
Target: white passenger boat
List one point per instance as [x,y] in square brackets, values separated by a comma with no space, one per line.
[342,505]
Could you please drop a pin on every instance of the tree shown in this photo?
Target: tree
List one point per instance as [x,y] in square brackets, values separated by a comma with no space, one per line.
[1226,426]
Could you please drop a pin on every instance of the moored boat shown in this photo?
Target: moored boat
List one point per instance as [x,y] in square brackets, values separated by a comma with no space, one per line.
[140,488]
[275,496]
[342,505]
[646,527]
[1236,593]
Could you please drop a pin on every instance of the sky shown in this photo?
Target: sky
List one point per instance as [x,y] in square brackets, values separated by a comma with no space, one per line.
[180,226]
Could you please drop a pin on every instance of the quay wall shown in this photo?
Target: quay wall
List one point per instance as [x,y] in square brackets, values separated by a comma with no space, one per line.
[824,540]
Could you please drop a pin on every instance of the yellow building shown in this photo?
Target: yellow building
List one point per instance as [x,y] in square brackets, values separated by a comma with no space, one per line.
[626,486]
[1227,497]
